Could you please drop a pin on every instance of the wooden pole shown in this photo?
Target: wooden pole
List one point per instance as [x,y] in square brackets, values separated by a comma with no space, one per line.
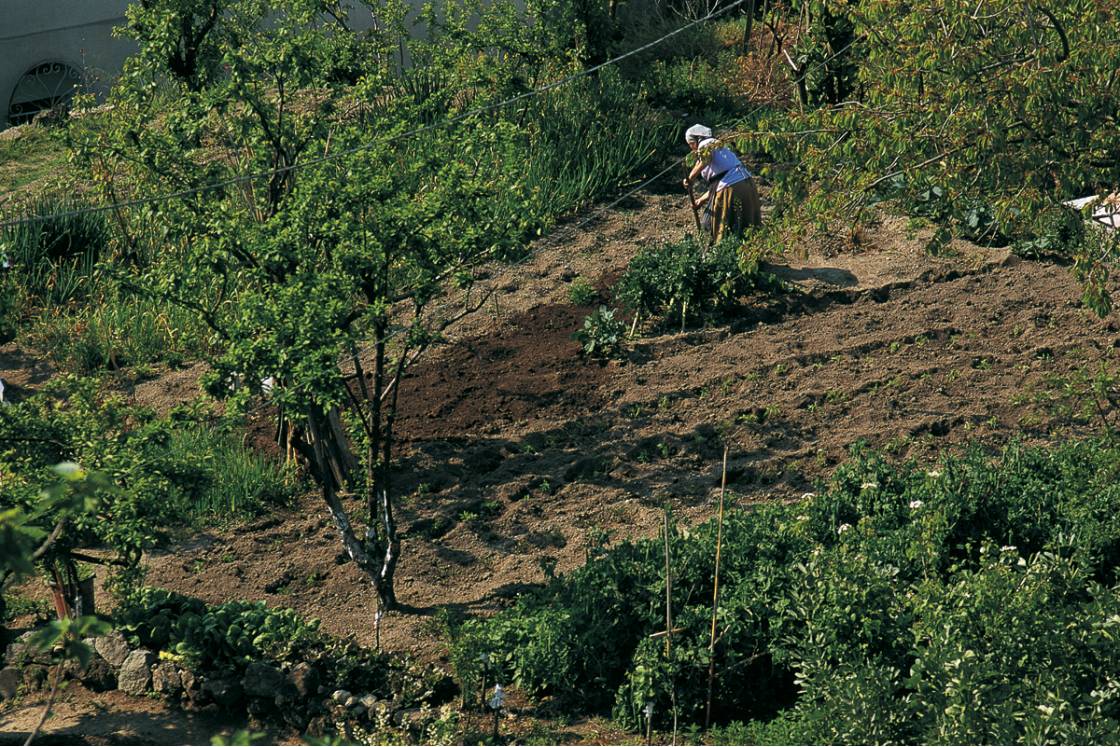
[669,626]
[715,595]
[695,210]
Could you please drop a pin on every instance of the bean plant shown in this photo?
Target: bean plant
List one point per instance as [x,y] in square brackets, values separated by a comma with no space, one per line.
[969,600]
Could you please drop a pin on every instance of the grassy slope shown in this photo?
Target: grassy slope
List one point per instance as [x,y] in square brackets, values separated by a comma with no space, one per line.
[33,156]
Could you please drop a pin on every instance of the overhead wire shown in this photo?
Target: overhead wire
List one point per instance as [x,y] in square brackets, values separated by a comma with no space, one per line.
[551,239]
[462,116]
[575,228]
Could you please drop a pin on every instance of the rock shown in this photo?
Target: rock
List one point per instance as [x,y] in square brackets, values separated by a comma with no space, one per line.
[263,681]
[34,676]
[351,702]
[97,675]
[135,675]
[304,680]
[295,718]
[406,717]
[166,679]
[225,693]
[368,701]
[340,696]
[257,709]
[187,679]
[9,682]
[20,651]
[112,647]
[321,726]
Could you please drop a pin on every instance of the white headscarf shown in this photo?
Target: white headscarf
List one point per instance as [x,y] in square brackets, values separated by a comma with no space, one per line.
[697,133]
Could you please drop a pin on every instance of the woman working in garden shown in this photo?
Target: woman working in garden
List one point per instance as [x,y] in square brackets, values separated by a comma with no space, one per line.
[731,201]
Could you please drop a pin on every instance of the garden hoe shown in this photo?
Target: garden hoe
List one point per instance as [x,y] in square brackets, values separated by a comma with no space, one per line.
[695,210]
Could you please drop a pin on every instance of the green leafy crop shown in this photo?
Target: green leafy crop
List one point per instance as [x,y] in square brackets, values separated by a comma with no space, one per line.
[970,602]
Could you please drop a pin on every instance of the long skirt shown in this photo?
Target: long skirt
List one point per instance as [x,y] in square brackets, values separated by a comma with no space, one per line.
[732,209]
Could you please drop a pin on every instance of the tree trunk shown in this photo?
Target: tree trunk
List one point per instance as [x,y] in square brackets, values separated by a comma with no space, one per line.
[749,27]
[329,453]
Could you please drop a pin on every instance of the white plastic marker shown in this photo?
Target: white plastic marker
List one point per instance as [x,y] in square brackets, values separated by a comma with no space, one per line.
[498,698]
[2,392]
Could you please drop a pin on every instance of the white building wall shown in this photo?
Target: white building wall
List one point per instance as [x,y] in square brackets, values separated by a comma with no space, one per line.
[78,33]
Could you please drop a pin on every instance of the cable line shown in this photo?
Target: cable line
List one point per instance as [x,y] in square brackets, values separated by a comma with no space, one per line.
[241,179]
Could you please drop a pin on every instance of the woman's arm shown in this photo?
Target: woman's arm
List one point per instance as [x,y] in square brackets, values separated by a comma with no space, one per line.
[696,169]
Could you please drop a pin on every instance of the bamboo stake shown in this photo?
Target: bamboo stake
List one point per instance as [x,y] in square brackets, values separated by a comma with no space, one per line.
[715,594]
[669,627]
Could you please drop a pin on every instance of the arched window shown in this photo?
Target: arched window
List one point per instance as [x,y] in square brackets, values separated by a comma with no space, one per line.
[47,86]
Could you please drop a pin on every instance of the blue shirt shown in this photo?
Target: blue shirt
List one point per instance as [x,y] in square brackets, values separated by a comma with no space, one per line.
[724,162]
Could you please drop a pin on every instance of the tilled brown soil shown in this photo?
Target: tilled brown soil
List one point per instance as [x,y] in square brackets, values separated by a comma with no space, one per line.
[517,451]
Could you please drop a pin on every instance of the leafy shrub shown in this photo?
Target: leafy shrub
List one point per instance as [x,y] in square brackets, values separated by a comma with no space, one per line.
[581,292]
[224,637]
[972,602]
[169,469]
[601,335]
[221,640]
[685,281]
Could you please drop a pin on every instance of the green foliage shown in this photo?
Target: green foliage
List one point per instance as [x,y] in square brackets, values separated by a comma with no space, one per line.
[686,281]
[38,153]
[239,737]
[64,638]
[581,292]
[601,335]
[222,640]
[584,140]
[41,432]
[16,605]
[828,57]
[1007,114]
[33,532]
[970,603]
[53,260]
[29,517]
[163,472]
[116,329]
[297,273]
[235,481]
[698,86]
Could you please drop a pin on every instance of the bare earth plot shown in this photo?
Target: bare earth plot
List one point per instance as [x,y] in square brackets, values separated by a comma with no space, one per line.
[519,452]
